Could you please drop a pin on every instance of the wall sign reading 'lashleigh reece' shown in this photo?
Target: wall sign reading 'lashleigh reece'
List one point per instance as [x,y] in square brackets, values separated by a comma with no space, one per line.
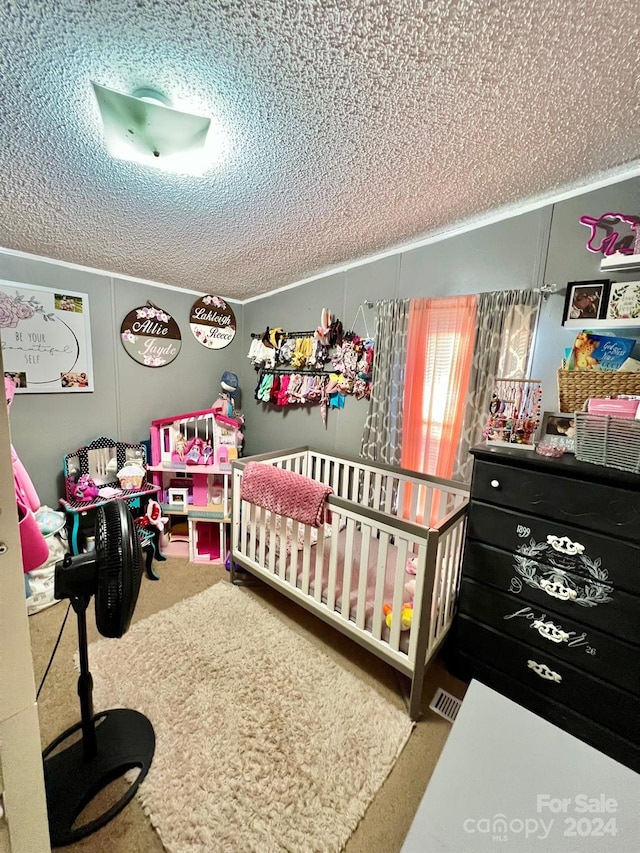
[150,336]
[213,322]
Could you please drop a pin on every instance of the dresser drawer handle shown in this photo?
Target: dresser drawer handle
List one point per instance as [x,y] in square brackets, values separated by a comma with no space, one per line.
[550,631]
[495,484]
[543,671]
[558,590]
[564,545]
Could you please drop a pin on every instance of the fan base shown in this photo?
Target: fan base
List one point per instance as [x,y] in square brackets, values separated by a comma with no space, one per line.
[125,741]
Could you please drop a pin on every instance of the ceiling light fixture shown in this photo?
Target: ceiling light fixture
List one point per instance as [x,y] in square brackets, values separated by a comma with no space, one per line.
[143,127]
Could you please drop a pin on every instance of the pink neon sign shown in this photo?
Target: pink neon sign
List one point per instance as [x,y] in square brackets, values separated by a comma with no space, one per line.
[606,238]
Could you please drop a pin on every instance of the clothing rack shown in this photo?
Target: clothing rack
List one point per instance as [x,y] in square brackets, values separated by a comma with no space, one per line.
[306,334]
[316,371]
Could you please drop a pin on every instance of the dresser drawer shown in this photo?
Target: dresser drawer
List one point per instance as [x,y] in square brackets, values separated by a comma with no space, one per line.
[557,545]
[594,605]
[608,509]
[585,648]
[559,681]
[466,667]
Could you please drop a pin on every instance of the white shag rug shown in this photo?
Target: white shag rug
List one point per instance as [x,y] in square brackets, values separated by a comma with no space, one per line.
[263,742]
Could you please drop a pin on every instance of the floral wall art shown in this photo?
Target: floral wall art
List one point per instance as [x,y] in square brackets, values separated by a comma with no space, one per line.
[212,322]
[46,339]
[150,336]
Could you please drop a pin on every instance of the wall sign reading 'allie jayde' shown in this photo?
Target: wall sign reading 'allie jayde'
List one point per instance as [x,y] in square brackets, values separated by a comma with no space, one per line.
[212,322]
[150,336]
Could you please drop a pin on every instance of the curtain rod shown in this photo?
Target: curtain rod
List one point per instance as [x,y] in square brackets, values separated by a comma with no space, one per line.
[546,290]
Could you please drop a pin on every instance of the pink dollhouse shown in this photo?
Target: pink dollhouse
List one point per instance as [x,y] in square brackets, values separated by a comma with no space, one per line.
[191,456]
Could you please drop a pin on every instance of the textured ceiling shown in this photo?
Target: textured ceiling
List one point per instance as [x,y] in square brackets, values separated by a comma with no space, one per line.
[350,126]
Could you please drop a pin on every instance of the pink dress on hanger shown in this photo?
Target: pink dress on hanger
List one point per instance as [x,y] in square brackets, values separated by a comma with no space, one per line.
[35,550]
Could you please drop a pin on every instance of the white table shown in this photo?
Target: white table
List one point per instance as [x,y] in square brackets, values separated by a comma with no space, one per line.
[507,780]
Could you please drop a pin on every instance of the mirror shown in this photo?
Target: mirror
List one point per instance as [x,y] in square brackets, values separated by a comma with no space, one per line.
[103,465]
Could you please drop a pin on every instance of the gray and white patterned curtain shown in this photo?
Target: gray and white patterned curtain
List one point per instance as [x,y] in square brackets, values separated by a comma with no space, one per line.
[382,434]
[506,324]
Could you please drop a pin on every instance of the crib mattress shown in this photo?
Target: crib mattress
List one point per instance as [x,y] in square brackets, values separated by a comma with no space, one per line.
[354,582]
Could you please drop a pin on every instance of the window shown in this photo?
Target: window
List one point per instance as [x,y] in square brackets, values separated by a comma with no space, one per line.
[440,343]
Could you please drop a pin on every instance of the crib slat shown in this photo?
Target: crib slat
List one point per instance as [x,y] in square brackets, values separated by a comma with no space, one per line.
[333,562]
[377,491]
[446,578]
[262,534]
[457,534]
[363,576]
[379,602]
[272,541]
[317,581]
[335,479]
[366,488]
[282,548]
[252,531]
[348,562]
[293,569]
[306,558]
[420,579]
[398,591]
[414,502]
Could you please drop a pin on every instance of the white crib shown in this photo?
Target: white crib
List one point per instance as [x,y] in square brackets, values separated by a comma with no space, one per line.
[373,527]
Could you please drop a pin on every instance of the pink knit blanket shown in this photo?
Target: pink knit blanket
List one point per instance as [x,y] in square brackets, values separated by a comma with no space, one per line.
[285,493]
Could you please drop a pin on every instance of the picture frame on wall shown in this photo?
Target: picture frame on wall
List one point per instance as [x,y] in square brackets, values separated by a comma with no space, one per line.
[558,429]
[586,300]
[624,301]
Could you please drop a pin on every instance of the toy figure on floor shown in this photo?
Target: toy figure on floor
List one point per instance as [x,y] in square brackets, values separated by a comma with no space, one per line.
[153,537]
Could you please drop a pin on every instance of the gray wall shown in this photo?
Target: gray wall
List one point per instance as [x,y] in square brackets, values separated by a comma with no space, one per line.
[546,245]
[127,396]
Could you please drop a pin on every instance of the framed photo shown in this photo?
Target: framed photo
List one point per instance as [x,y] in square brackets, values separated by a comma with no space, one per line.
[624,301]
[586,300]
[559,430]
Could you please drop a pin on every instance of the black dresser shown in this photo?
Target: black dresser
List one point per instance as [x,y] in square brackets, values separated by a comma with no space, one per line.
[549,607]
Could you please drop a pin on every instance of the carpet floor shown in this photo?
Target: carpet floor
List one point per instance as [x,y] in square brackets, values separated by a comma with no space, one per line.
[393,800]
[263,743]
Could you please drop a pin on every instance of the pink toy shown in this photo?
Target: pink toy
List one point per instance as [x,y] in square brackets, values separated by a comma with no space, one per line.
[33,545]
[85,489]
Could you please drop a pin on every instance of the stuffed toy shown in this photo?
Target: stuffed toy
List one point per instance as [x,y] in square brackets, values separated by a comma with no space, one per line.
[153,517]
[85,489]
[412,565]
[406,616]
[228,398]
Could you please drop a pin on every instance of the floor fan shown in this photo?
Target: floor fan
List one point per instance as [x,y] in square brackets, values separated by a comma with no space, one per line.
[113,742]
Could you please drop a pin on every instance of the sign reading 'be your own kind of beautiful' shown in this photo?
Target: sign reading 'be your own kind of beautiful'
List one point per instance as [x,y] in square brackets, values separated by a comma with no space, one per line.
[46,340]
[212,322]
[150,336]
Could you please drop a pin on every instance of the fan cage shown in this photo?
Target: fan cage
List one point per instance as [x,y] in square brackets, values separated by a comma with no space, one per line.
[119,556]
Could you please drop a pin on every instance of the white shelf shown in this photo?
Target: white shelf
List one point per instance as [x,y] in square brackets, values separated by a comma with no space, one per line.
[189,469]
[602,324]
[620,263]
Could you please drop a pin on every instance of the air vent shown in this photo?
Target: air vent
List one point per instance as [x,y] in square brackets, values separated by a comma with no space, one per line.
[446,705]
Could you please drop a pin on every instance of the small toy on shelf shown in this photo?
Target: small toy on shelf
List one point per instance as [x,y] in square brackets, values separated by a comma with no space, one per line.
[179,448]
[514,413]
[131,476]
[84,489]
[229,419]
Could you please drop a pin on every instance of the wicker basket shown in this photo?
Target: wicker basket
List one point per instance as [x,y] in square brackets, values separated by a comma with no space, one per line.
[576,386]
[605,440]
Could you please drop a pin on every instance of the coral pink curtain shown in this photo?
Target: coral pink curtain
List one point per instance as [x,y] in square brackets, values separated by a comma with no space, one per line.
[440,343]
